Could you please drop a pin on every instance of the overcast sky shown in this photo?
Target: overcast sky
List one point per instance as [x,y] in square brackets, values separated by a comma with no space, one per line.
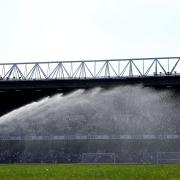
[47,30]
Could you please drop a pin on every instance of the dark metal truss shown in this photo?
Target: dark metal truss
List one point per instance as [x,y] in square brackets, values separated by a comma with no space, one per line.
[115,68]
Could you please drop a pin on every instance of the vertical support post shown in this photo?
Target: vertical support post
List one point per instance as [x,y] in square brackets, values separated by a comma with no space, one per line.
[25,71]
[157,160]
[114,158]
[156,67]
[168,67]
[48,71]
[84,70]
[107,73]
[130,68]
[119,68]
[71,73]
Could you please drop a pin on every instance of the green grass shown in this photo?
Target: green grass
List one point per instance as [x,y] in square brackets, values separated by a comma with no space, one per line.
[87,172]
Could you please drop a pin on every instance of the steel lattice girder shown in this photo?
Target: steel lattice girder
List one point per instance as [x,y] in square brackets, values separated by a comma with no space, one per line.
[112,68]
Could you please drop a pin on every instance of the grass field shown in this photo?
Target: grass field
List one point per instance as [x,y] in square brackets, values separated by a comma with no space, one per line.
[81,172]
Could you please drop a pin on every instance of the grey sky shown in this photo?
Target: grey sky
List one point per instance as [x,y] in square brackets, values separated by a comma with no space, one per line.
[45,30]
